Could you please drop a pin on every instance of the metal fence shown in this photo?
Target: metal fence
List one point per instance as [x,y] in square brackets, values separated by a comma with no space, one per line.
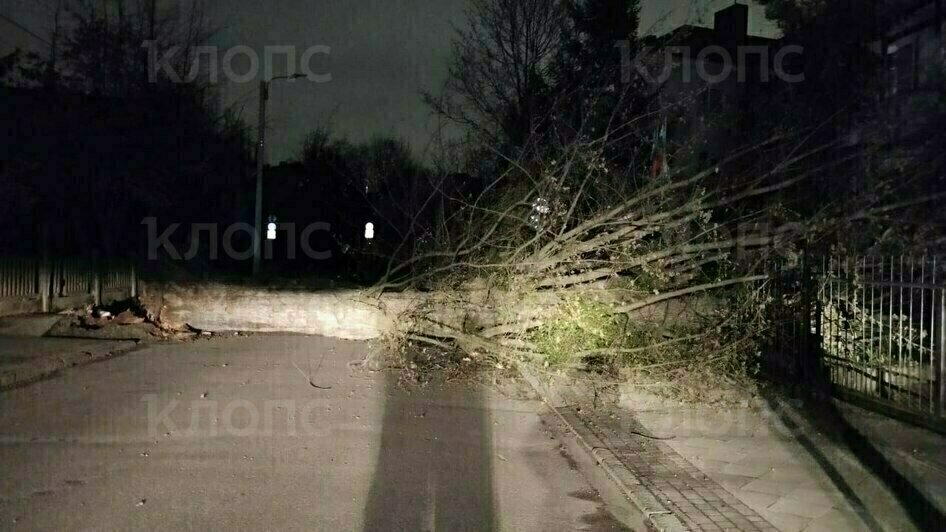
[869,329]
[117,277]
[18,277]
[27,276]
[72,277]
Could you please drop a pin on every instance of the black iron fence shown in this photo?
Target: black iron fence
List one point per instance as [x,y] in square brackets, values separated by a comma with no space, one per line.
[870,330]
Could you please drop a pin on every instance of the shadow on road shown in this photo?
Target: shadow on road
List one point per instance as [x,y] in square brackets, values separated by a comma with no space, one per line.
[830,421]
[434,471]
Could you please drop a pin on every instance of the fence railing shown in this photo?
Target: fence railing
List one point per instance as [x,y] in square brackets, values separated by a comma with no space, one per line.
[18,277]
[72,277]
[26,277]
[873,329]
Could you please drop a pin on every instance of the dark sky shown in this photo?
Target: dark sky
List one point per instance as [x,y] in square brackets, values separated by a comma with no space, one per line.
[383,54]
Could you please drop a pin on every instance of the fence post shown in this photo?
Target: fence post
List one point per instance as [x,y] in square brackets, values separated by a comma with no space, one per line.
[45,283]
[96,283]
[133,286]
[812,374]
[806,343]
[941,370]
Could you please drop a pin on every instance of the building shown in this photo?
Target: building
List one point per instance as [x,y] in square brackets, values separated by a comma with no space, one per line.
[911,42]
[707,80]
[661,17]
[705,114]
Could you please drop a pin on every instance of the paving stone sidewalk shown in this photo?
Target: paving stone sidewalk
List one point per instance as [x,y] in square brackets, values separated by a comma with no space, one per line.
[692,496]
[771,464]
[766,466]
[800,474]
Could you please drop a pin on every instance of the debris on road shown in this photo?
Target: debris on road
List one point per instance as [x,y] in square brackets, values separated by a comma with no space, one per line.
[127,317]
[120,320]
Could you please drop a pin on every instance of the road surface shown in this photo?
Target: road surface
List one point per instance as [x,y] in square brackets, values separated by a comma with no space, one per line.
[229,434]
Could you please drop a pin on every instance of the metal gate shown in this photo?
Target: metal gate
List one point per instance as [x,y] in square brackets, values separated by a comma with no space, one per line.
[870,330]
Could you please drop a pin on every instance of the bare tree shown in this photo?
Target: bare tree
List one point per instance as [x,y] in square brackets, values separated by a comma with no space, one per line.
[498,84]
[161,137]
[101,47]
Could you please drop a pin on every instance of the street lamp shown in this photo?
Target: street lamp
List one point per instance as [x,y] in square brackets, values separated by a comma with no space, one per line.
[260,154]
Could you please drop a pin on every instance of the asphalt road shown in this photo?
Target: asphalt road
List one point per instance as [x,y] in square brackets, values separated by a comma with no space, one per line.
[229,434]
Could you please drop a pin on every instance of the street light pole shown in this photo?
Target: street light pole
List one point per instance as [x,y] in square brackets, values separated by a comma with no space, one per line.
[260,157]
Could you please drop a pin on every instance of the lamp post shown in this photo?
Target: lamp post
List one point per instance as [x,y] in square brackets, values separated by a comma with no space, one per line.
[260,155]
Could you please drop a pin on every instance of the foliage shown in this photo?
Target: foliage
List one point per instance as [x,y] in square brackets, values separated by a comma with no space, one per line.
[570,244]
[579,324]
[859,327]
[568,256]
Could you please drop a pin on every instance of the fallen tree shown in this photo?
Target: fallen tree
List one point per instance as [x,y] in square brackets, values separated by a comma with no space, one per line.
[570,263]
[574,265]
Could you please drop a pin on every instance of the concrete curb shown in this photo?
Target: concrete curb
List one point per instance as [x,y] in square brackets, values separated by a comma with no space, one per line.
[55,365]
[657,517]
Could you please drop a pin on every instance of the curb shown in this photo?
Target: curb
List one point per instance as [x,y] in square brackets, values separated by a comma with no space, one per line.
[54,366]
[657,517]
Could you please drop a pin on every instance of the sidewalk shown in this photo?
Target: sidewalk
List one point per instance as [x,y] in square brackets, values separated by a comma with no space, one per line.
[768,466]
[25,359]
[28,324]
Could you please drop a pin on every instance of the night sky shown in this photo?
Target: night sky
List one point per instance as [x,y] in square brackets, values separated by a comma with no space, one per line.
[384,53]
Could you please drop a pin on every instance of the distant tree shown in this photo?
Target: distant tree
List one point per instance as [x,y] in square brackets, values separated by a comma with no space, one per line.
[44,69]
[526,74]
[8,63]
[168,151]
[379,180]
[499,77]
[102,48]
[597,92]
